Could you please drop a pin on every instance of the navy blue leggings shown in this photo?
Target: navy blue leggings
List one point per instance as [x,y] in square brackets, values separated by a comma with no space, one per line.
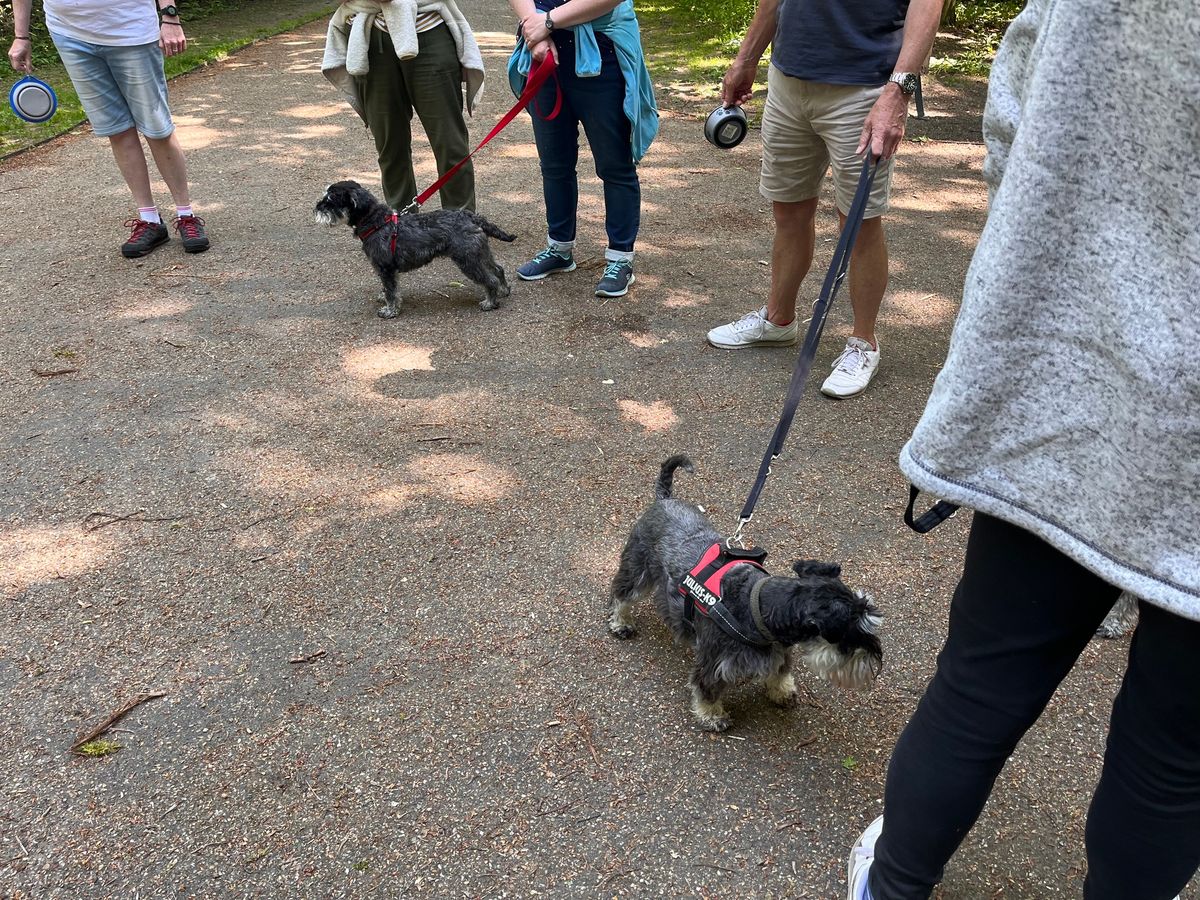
[1021,615]
[598,104]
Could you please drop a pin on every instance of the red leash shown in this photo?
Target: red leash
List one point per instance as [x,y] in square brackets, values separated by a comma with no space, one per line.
[532,84]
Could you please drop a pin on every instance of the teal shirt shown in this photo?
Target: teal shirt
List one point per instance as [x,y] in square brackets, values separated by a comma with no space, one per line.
[621,27]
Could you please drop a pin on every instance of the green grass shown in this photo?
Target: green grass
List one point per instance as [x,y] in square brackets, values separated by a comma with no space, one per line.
[690,43]
[976,34]
[226,27]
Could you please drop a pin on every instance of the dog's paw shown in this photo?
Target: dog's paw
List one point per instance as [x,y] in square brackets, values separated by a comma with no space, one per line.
[622,631]
[715,724]
[488,303]
[783,691]
[387,312]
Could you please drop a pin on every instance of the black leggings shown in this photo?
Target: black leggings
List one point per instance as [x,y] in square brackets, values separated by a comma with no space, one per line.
[1021,615]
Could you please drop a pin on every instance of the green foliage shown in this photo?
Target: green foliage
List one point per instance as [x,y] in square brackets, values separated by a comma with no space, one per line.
[978,27]
[98,747]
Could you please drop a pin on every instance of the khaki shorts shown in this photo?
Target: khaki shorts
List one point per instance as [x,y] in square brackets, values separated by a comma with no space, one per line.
[808,127]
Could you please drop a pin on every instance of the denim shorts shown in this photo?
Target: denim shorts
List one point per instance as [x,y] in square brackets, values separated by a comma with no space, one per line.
[120,87]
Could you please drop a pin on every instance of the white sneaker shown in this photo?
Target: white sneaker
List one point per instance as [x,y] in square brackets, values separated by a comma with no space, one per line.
[753,329]
[862,854]
[853,370]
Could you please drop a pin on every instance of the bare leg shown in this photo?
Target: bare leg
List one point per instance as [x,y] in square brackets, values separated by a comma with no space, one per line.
[868,276]
[168,157]
[791,256]
[131,160]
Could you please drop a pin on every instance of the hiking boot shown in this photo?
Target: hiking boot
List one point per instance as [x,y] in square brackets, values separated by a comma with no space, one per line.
[753,329]
[191,232]
[618,276]
[144,238]
[852,370]
[547,261]
[862,854]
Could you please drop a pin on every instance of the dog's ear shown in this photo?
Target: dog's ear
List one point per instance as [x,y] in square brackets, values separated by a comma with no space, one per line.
[359,197]
[813,567]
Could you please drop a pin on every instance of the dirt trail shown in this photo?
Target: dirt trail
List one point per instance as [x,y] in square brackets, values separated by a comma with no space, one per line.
[437,503]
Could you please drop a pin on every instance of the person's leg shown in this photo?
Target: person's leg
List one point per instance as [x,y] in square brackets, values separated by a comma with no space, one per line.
[791,256]
[172,166]
[868,277]
[131,161]
[842,110]
[794,163]
[1021,615]
[600,104]
[388,111]
[557,142]
[433,79]
[1143,828]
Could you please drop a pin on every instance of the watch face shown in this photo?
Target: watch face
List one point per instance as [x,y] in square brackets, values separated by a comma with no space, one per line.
[169,11]
[910,83]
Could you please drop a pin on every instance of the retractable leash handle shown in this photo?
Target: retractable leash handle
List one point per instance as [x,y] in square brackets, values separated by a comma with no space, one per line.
[833,280]
[533,83]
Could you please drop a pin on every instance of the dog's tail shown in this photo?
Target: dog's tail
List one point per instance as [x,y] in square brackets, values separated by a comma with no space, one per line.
[666,475]
[491,230]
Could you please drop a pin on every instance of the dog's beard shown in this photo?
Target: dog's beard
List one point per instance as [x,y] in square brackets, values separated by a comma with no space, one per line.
[325,217]
[854,671]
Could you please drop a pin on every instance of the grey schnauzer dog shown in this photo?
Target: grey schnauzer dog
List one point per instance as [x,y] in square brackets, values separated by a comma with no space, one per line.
[832,626]
[400,243]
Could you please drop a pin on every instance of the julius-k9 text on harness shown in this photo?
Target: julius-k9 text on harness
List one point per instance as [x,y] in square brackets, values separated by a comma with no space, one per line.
[701,590]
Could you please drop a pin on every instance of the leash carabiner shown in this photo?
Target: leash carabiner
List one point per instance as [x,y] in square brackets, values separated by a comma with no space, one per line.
[412,207]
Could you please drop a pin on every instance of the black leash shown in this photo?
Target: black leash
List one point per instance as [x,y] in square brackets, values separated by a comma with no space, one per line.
[833,280]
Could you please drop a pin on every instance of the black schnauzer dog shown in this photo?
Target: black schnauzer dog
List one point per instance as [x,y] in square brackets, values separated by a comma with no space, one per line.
[400,243]
[833,625]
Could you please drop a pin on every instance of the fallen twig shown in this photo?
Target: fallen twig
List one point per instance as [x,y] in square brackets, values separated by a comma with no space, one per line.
[312,657]
[51,373]
[112,719]
[104,519]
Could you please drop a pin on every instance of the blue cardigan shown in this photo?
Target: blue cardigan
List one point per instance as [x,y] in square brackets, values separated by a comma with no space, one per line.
[621,27]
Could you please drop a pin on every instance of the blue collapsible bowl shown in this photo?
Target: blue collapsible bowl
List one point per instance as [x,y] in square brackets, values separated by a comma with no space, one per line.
[33,100]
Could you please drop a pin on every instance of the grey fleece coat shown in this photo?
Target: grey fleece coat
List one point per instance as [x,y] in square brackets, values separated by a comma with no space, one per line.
[1070,401]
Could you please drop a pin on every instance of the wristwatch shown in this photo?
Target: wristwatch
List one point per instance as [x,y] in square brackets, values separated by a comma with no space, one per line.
[169,11]
[908,81]
[549,23]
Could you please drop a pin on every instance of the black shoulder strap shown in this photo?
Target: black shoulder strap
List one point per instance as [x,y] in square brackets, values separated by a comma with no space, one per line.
[931,518]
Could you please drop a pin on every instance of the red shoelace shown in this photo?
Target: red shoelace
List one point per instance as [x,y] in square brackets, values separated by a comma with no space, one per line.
[189,226]
[139,227]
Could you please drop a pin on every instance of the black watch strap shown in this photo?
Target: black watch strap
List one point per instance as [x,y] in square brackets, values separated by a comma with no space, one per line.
[169,11]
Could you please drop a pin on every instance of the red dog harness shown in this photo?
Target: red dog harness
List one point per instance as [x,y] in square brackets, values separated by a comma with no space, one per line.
[393,220]
[701,589]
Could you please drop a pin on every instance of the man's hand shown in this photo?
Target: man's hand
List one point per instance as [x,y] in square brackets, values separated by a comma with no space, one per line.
[20,55]
[171,38]
[884,128]
[738,84]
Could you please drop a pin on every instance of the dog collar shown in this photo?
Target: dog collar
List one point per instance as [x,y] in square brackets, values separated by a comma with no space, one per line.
[394,220]
[701,590]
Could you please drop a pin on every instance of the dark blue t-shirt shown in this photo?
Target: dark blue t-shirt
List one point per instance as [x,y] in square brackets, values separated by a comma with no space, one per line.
[839,41]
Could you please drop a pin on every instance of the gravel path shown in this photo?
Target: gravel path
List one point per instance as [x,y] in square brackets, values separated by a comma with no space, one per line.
[428,511]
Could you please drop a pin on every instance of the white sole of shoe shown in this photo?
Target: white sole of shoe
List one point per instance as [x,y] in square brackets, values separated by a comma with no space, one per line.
[632,279]
[570,268]
[787,342]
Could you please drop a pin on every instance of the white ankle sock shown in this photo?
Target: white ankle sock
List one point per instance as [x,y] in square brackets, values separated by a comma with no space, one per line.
[149,214]
[618,255]
[182,211]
